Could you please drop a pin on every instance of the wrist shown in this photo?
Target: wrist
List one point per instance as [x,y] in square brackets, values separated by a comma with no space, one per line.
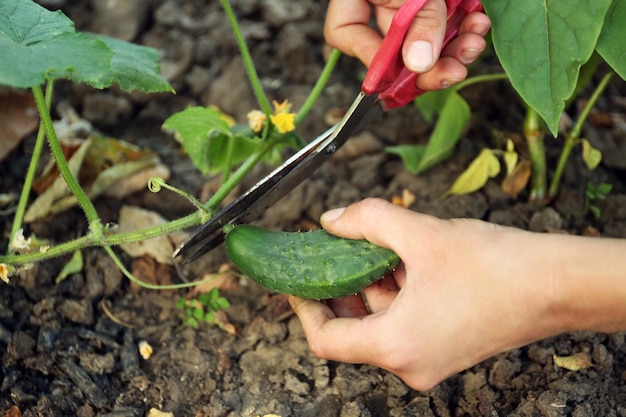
[588,282]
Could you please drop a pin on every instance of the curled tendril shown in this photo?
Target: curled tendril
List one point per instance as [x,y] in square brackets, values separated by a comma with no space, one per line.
[155,184]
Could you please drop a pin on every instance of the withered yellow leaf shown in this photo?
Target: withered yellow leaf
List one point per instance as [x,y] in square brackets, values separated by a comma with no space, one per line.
[485,166]
[574,362]
[591,155]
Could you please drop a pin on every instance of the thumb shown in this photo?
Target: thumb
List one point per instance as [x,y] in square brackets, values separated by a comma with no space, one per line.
[424,39]
[375,220]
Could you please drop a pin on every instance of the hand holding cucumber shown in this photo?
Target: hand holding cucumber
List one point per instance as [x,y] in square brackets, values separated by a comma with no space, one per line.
[466,290]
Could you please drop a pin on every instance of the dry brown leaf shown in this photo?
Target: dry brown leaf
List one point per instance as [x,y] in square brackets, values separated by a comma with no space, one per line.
[574,362]
[405,200]
[148,270]
[14,411]
[591,231]
[277,308]
[18,118]
[224,279]
[99,164]
[221,319]
[137,181]
[134,218]
[517,180]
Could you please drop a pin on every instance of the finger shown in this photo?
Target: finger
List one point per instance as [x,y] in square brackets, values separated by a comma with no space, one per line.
[382,223]
[466,48]
[423,42]
[477,23]
[446,72]
[392,4]
[381,294]
[339,339]
[350,306]
[347,28]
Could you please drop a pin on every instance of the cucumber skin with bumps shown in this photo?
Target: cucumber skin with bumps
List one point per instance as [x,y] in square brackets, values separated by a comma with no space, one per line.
[313,264]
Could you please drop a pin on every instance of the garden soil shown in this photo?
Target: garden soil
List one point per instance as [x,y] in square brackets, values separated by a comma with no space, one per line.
[71,349]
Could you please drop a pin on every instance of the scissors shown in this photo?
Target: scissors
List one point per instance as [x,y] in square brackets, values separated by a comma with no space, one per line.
[387,82]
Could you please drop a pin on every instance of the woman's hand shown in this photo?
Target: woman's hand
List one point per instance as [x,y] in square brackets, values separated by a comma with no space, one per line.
[466,290]
[347,29]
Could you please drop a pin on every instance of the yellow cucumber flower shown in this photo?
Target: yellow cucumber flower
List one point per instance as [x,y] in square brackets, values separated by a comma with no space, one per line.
[256,119]
[284,122]
[283,107]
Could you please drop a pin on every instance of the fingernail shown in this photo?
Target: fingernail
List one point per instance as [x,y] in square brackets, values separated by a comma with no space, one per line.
[448,83]
[332,215]
[420,56]
[480,29]
[469,55]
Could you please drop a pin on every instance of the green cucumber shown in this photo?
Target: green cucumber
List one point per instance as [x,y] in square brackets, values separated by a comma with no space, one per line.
[312,264]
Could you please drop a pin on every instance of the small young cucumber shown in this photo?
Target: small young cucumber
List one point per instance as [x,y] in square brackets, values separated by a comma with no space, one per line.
[311,264]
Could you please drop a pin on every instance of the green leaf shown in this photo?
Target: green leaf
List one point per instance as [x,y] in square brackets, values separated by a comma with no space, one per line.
[198,313]
[204,299]
[36,44]
[542,44]
[191,322]
[222,303]
[612,42]
[243,147]
[133,67]
[485,166]
[591,155]
[454,116]
[181,303]
[209,317]
[604,188]
[431,103]
[73,266]
[193,127]
[411,155]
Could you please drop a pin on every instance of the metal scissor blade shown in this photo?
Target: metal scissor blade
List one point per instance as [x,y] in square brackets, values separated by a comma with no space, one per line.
[278,183]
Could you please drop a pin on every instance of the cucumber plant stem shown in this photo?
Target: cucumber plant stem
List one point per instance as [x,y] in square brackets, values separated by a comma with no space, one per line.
[480,79]
[573,137]
[237,176]
[143,284]
[30,173]
[247,59]
[95,225]
[318,87]
[534,138]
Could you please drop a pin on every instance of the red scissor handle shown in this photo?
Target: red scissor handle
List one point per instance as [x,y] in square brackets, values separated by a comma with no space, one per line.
[387,76]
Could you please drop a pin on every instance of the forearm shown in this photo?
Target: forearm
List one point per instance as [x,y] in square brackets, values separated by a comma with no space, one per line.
[590,281]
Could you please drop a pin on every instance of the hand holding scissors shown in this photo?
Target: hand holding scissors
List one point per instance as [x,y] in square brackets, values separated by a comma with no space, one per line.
[388,83]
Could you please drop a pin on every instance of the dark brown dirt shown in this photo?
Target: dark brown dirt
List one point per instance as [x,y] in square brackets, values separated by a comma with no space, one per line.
[72,349]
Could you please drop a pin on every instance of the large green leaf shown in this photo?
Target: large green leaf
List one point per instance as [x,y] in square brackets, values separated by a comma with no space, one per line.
[541,45]
[612,42]
[194,127]
[36,44]
[133,67]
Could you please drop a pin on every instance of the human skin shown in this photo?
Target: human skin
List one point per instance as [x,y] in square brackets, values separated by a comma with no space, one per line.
[465,291]
[347,28]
